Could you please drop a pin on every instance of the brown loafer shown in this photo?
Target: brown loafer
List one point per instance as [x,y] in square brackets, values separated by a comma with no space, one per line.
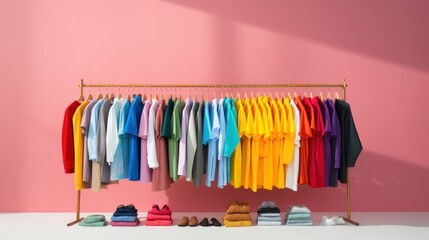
[184,222]
[193,222]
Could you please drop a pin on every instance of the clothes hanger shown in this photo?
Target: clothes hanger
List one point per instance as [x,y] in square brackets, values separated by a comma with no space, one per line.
[321,96]
[288,94]
[336,95]
[100,95]
[81,98]
[305,94]
[311,94]
[329,95]
[277,95]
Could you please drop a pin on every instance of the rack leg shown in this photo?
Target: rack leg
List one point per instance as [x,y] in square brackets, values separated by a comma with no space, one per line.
[349,212]
[78,218]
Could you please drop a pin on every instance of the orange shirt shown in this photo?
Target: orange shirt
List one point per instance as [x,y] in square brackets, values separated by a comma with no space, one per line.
[305,134]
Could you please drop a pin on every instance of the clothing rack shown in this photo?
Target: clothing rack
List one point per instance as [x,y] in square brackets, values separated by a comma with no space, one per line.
[341,85]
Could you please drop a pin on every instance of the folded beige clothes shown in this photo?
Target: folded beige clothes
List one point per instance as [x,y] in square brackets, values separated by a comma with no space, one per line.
[237,217]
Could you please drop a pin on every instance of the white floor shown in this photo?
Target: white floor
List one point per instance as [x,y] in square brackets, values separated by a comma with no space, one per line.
[384,225]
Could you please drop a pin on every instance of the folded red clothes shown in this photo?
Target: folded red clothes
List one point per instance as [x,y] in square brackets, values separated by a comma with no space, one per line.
[152,217]
[165,210]
[159,223]
[125,224]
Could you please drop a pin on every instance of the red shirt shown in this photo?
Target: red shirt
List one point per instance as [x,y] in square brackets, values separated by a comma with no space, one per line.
[318,180]
[67,138]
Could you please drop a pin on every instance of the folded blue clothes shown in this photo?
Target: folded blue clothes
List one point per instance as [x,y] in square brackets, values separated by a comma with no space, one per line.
[300,224]
[298,216]
[264,223]
[94,218]
[126,209]
[123,218]
[125,214]
[270,219]
[298,221]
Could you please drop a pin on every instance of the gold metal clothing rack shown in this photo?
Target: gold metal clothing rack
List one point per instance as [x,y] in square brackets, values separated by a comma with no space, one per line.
[341,85]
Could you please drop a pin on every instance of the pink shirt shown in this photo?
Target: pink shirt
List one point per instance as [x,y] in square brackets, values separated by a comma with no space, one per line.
[145,173]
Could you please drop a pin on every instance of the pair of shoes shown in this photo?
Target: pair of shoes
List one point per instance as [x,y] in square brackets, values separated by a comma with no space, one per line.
[193,222]
[165,210]
[213,222]
[335,220]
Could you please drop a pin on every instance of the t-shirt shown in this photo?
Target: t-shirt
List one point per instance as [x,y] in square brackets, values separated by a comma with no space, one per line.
[151,146]
[78,146]
[311,141]
[166,124]
[351,145]
[232,137]
[114,157]
[258,133]
[247,146]
[289,141]
[335,144]
[213,143]
[173,143]
[237,156]
[282,132]
[67,137]
[124,142]
[92,131]
[181,171]
[132,129]
[92,147]
[145,172]
[327,140]
[293,167]
[220,154]
[317,167]
[87,165]
[277,138]
[101,140]
[269,139]
[191,141]
[201,153]
[160,179]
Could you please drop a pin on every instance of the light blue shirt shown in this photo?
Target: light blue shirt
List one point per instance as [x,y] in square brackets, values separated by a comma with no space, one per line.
[116,168]
[213,143]
[221,180]
[232,138]
[92,131]
[124,141]
[207,124]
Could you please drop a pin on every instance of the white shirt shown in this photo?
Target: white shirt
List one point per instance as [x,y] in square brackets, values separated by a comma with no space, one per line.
[293,167]
[112,137]
[151,146]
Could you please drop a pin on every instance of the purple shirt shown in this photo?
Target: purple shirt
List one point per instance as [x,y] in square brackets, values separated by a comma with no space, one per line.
[327,141]
[335,143]
[145,173]
[181,170]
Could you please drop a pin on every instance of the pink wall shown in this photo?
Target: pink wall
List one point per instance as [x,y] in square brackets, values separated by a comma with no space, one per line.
[380,47]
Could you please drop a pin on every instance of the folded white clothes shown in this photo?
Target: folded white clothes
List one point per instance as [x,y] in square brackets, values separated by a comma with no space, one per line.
[300,224]
[298,209]
[269,214]
[335,220]
[271,219]
[265,223]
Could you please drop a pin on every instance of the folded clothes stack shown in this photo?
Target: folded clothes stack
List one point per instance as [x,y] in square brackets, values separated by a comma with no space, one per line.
[95,220]
[125,216]
[237,215]
[159,217]
[269,214]
[298,216]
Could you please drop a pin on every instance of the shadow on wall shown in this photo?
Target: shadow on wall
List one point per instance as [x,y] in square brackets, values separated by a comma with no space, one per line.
[391,30]
[378,183]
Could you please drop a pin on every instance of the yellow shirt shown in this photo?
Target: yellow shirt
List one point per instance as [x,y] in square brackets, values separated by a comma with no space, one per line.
[289,143]
[276,133]
[258,133]
[237,157]
[268,162]
[246,176]
[78,146]
[282,134]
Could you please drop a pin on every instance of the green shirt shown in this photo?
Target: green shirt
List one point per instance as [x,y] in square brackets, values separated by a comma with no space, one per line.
[173,142]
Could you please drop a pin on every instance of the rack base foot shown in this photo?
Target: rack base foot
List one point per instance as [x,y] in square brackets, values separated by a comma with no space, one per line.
[351,221]
[74,222]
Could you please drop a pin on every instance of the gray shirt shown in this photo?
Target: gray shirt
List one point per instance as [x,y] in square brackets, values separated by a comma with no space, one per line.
[87,165]
[101,140]
[198,168]
[191,141]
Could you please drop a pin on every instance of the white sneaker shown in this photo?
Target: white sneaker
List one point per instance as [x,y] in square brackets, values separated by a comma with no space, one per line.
[338,220]
[328,221]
